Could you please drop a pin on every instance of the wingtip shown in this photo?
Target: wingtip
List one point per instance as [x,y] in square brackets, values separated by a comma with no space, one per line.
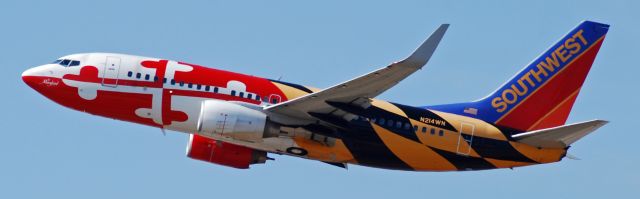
[443,27]
[422,54]
[601,121]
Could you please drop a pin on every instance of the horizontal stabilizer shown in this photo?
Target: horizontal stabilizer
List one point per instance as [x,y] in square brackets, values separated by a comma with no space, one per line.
[559,137]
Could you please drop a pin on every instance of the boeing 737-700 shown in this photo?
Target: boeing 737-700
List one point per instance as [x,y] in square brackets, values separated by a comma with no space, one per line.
[237,120]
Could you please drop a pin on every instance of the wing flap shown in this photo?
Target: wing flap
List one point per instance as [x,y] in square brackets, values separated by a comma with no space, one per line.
[559,137]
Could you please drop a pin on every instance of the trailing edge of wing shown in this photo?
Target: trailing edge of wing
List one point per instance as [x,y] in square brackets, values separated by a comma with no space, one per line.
[364,87]
[559,137]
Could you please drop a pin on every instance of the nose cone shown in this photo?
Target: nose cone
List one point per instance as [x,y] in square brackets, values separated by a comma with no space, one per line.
[40,77]
[47,80]
[30,72]
[28,76]
[34,76]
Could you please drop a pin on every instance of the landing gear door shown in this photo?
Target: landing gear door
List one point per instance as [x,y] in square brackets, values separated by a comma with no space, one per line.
[110,72]
[465,140]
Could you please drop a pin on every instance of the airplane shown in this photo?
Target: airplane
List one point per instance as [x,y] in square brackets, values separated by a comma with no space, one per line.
[238,120]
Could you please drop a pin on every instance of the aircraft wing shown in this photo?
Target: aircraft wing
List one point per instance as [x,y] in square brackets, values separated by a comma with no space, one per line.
[358,91]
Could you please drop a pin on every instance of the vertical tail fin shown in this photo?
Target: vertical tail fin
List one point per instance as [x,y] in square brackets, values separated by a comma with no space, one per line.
[542,94]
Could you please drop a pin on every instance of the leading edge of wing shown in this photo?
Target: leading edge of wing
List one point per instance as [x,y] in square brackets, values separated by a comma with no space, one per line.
[369,85]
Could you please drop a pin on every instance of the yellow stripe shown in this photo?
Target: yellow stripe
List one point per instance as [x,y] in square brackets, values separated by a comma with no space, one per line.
[506,163]
[482,128]
[554,109]
[317,151]
[388,107]
[416,155]
[289,92]
[548,80]
[447,142]
[543,155]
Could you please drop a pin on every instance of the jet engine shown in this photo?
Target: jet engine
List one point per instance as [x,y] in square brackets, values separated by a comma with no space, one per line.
[223,153]
[236,121]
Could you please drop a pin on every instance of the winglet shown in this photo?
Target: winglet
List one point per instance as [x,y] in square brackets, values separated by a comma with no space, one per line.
[421,56]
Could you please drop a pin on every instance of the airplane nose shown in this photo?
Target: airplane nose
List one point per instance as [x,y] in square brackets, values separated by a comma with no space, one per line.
[28,76]
[34,75]
[28,72]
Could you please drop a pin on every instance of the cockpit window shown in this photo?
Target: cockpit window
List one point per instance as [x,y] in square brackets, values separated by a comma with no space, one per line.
[74,63]
[67,62]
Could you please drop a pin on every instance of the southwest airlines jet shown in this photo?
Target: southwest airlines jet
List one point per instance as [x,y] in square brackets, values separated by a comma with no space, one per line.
[236,120]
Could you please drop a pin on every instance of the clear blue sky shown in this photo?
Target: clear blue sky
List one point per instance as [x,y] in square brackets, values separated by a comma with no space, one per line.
[48,151]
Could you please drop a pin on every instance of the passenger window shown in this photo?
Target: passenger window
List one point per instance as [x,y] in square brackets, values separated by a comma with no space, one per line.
[249,96]
[424,129]
[65,62]
[441,132]
[181,84]
[173,82]
[164,80]
[398,124]
[433,131]
[129,74]
[198,86]
[155,78]
[146,77]
[215,89]
[274,101]
[138,75]
[415,128]
[190,85]
[258,97]
[207,88]
[390,123]
[381,121]
[241,94]
[233,93]
[265,99]
[407,126]
[74,63]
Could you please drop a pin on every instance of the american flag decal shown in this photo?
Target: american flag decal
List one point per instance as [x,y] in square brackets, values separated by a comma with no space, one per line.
[472,111]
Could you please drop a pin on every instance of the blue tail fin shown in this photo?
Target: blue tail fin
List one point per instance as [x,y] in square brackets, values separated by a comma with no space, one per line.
[540,95]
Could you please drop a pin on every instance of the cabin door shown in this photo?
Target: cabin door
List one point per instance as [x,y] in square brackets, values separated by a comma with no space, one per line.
[465,140]
[110,72]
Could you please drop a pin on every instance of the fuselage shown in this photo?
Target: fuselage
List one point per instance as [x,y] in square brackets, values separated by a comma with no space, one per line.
[169,95]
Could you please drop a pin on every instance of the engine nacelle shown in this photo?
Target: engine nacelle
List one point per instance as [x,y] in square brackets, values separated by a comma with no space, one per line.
[233,120]
[223,153]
